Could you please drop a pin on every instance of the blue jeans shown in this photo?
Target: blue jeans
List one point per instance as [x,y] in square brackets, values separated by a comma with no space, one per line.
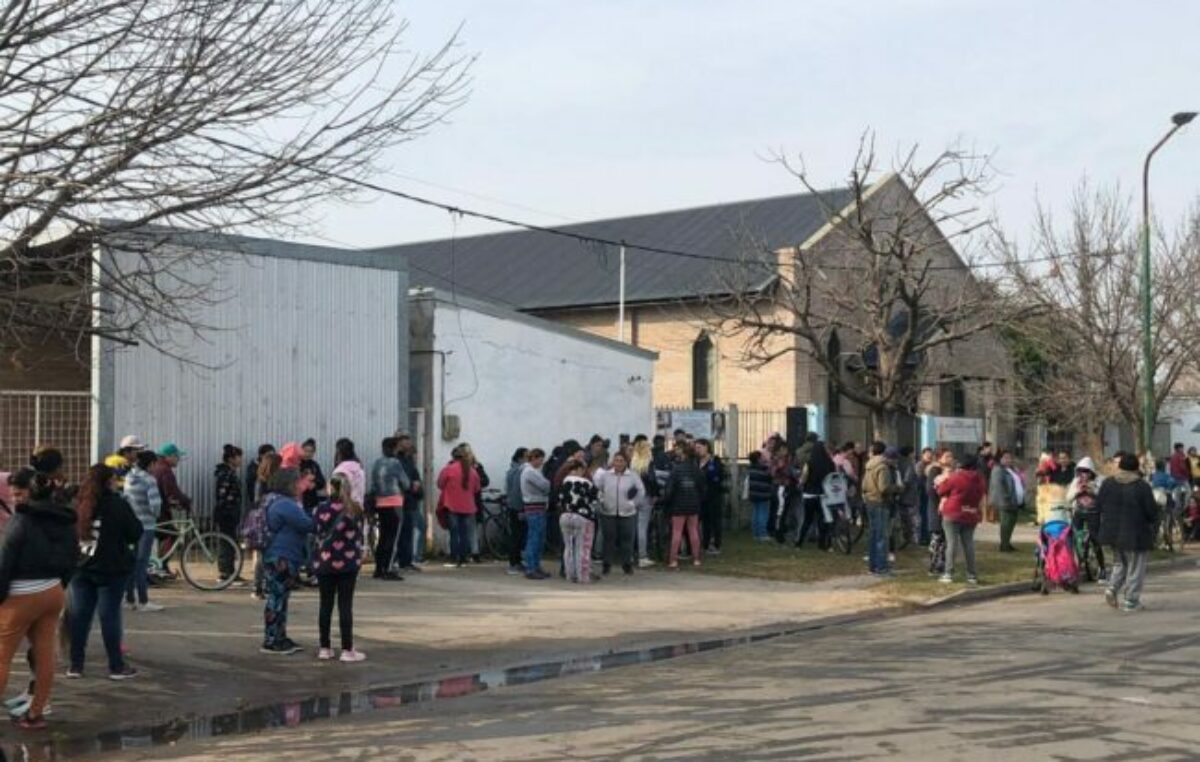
[879,519]
[89,595]
[139,581]
[535,540]
[281,577]
[460,535]
[408,520]
[758,519]
[418,538]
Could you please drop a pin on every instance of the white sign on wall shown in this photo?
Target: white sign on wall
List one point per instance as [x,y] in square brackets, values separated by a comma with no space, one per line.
[959,430]
[698,423]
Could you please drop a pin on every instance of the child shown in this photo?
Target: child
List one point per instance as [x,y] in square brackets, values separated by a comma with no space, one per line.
[759,489]
[1081,495]
[339,527]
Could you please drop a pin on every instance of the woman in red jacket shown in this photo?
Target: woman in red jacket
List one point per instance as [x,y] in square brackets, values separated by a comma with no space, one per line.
[962,493]
[458,483]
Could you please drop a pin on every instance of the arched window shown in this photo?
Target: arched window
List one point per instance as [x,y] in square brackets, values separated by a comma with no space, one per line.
[833,399]
[704,373]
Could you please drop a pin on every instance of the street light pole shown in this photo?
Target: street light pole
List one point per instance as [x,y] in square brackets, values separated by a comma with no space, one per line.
[1148,406]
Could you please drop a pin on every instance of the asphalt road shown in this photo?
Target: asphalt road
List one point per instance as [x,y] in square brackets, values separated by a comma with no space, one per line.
[1062,678]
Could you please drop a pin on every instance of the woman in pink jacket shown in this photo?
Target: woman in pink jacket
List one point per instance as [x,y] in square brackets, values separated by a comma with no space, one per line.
[458,484]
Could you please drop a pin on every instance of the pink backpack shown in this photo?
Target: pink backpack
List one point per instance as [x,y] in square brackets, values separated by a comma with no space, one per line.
[1061,568]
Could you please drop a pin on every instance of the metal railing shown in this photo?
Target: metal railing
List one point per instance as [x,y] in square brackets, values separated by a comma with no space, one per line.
[32,418]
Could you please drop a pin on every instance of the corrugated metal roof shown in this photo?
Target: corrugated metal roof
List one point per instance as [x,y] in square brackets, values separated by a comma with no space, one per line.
[536,270]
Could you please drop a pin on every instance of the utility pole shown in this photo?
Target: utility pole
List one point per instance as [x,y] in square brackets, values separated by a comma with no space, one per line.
[1148,401]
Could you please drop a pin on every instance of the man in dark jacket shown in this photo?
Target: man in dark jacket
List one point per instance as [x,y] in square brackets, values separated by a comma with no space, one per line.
[412,523]
[1128,517]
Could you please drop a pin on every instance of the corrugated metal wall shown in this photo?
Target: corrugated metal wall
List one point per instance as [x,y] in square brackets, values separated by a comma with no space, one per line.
[302,349]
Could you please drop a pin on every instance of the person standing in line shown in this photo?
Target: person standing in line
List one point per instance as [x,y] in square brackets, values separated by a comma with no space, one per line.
[227,513]
[474,527]
[817,465]
[642,464]
[1128,518]
[458,484]
[909,500]
[141,490]
[685,496]
[108,530]
[513,509]
[39,552]
[878,490]
[784,477]
[759,490]
[346,461]
[620,492]
[341,532]
[288,526]
[922,467]
[123,459]
[268,466]
[1006,494]
[251,480]
[713,508]
[962,495]
[316,484]
[412,525]
[389,482]
[577,498]
[535,499]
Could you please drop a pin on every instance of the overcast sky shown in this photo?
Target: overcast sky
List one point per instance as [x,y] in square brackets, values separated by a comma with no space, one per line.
[585,109]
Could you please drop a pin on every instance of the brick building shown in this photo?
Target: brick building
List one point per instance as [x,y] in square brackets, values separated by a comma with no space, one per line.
[665,305]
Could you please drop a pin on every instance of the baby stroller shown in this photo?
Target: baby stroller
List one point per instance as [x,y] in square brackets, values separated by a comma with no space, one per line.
[1056,563]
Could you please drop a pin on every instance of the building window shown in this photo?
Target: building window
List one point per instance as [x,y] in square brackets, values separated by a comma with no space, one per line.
[703,373]
[833,398]
[958,399]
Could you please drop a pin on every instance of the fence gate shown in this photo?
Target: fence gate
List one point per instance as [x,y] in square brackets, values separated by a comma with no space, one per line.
[61,419]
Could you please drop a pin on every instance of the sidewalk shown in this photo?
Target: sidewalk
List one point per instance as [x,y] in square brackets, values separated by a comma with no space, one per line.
[200,656]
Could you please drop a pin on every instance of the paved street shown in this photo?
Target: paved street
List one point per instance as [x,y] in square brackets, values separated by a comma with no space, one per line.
[1062,677]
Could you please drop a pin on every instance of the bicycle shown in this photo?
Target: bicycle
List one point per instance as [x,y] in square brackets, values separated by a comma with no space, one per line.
[1170,529]
[199,553]
[843,532]
[495,538]
[1086,550]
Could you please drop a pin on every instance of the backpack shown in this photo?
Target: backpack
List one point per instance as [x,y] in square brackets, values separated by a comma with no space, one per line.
[1061,567]
[255,529]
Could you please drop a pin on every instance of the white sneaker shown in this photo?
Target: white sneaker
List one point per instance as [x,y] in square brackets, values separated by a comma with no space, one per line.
[150,606]
[20,699]
[645,563]
[325,654]
[946,579]
[891,558]
[352,656]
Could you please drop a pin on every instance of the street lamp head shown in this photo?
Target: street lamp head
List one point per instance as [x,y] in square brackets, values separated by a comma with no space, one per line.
[1183,117]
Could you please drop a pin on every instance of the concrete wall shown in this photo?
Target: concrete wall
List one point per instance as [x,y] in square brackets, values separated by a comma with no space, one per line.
[297,347]
[514,380]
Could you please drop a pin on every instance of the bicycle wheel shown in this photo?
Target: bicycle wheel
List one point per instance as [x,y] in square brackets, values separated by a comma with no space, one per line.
[496,538]
[843,539]
[900,536]
[1090,562]
[201,560]
[858,523]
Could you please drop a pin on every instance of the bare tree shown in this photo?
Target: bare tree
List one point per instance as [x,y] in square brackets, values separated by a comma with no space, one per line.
[1084,273]
[883,288]
[211,115]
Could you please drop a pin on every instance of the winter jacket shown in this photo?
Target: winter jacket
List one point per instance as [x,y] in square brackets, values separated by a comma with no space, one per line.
[312,496]
[115,531]
[141,490]
[229,492]
[686,488]
[1179,468]
[962,493]
[761,488]
[168,488]
[878,487]
[357,477]
[619,493]
[908,481]
[289,526]
[388,480]
[579,496]
[1002,492]
[512,486]
[1128,512]
[1164,481]
[535,488]
[413,495]
[714,477]
[341,541]
[455,496]
[41,543]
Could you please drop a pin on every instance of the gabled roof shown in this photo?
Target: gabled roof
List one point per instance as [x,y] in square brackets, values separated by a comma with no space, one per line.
[535,270]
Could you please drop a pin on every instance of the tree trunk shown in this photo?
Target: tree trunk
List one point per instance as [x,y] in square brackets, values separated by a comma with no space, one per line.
[885,425]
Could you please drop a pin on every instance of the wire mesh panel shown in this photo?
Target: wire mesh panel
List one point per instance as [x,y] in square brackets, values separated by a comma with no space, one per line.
[59,419]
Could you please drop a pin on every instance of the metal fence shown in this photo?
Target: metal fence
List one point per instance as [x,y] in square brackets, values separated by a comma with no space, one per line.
[754,426]
[61,419]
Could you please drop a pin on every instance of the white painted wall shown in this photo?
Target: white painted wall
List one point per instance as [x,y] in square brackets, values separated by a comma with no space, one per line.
[528,382]
[299,349]
[1184,416]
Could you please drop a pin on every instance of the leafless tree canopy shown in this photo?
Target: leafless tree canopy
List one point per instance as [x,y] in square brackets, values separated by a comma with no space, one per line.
[1083,271]
[885,280]
[202,114]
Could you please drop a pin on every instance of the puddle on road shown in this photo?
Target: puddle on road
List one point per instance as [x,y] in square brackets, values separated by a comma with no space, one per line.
[61,744]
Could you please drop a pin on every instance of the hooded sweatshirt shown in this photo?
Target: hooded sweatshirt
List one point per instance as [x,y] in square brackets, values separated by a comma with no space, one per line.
[877,484]
[357,476]
[619,493]
[41,542]
[1077,487]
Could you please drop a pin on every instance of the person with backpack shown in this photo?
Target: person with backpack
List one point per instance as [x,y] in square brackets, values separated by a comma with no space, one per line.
[287,529]
[685,496]
[514,507]
[108,530]
[962,494]
[620,491]
[389,482]
[1128,518]
[227,513]
[759,489]
[341,533]
[712,509]
[141,490]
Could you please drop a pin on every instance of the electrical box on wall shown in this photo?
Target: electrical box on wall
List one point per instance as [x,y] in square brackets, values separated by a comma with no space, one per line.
[451,427]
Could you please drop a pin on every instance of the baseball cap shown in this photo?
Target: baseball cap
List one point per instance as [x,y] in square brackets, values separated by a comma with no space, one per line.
[132,441]
[170,449]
